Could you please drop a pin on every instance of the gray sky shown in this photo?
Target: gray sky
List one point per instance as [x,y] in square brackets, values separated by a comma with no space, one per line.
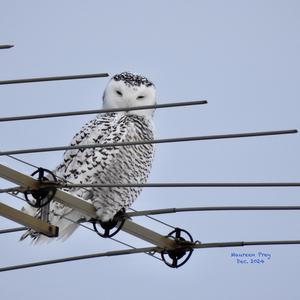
[243,57]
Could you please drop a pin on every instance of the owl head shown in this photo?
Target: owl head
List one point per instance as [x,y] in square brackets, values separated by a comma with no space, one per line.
[127,90]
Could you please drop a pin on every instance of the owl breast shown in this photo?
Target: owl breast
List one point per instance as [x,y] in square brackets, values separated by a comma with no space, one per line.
[128,164]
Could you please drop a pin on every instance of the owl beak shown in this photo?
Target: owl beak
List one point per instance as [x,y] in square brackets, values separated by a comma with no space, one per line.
[127,105]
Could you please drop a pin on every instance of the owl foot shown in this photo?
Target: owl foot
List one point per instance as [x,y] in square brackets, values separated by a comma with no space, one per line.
[115,223]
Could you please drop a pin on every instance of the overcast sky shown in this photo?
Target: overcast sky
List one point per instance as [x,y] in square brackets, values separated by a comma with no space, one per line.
[243,57]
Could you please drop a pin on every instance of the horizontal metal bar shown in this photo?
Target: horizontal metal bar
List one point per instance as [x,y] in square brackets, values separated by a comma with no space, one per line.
[81,257]
[241,244]
[208,208]
[53,78]
[183,185]
[6,46]
[10,230]
[28,221]
[98,111]
[158,141]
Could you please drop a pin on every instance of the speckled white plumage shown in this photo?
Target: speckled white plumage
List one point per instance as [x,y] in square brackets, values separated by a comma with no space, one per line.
[129,164]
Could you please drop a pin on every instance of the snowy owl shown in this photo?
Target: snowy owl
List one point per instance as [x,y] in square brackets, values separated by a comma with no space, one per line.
[111,165]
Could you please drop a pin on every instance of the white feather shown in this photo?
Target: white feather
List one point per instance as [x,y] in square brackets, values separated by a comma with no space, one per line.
[107,165]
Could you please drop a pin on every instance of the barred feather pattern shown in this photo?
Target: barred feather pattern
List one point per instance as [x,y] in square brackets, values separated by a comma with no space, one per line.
[110,165]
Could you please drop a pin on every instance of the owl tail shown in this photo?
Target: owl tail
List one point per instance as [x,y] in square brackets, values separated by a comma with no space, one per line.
[40,213]
[68,222]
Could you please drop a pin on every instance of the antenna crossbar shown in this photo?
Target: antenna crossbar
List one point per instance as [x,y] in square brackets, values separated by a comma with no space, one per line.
[28,221]
[86,208]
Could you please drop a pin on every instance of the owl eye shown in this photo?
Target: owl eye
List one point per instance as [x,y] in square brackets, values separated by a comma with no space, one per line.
[140,97]
[119,93]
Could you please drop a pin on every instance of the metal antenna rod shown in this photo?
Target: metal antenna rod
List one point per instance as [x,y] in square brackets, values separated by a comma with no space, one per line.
[208,208]
[146,250]
[10,230]
[73,258]
[159,141]
[178,185]
[6,46]
[39,79]
[97,111]
[241,244]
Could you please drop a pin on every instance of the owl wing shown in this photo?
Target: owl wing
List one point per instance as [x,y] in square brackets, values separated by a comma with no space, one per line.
[89,165]
[81,166]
